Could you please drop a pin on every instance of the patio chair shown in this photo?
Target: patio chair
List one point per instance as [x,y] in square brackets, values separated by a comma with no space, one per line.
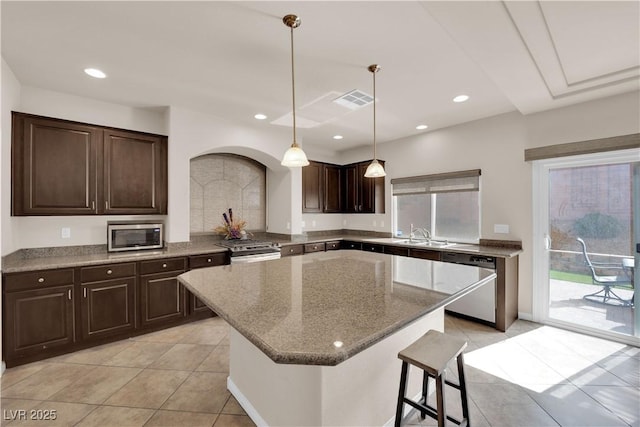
[598,271]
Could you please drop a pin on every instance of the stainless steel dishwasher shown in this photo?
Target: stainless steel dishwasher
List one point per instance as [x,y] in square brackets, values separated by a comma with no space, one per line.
[481,303]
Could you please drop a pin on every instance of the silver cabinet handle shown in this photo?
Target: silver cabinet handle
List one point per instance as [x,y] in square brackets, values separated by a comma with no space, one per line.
[93,205]
[164,265]
[41,280]
[208,259]
[109,271]
[84,292]
[69,294]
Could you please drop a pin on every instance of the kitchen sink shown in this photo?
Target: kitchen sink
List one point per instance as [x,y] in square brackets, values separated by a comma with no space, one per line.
[424,243]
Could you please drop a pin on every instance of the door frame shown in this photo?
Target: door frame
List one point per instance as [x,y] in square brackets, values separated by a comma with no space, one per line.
[541,240]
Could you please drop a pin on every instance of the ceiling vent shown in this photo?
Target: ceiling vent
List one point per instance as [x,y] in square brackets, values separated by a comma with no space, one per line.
[354,99]
[321,110]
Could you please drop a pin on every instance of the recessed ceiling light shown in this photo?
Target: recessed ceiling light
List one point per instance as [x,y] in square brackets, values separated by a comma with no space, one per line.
[260,116]
[337,137]
[460,98]
[421,127]
[94,72]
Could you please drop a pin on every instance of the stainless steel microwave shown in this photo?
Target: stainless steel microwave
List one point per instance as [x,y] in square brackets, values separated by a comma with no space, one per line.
[134,236]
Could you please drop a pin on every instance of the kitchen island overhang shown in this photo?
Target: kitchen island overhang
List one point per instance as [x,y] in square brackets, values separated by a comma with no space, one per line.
[315,324]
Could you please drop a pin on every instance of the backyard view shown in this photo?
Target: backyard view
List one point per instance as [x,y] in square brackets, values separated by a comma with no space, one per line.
[591,221]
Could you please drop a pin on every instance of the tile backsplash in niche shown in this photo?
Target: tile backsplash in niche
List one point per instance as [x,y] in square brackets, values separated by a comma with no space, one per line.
[222,181]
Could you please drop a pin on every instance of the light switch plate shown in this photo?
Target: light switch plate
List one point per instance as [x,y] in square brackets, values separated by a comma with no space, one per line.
[65,232]
[501,228]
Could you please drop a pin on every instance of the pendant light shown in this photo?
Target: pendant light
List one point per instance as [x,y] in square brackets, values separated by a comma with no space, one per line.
[294,156]
[375,169]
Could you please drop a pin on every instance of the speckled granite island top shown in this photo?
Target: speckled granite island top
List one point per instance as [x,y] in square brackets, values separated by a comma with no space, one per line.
[325,307]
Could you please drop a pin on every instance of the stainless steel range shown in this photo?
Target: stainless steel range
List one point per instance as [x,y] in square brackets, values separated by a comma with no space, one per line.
[251,250]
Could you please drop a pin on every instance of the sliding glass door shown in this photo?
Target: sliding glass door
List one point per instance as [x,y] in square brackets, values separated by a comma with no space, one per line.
[587,223]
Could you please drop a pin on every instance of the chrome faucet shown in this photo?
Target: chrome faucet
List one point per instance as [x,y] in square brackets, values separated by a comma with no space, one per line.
[426,234]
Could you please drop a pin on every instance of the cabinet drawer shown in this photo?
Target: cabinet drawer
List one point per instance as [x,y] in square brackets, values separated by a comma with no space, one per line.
[313,247]
[162,265]
[395,250]
[372,247]
[292,250]
[425,254]
[105,272]
[37,279]
[351,245]
[333,246]
[208,260]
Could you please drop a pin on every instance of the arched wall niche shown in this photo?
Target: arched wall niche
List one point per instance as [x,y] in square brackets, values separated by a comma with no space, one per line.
[219,181]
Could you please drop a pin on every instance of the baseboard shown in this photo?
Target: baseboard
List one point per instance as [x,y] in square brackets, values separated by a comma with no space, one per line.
[525,316]
[246,405]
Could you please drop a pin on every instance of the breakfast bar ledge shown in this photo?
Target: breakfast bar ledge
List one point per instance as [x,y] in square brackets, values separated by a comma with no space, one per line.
[314,339]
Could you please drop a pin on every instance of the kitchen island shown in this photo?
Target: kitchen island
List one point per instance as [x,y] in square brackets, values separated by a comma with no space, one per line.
[314,339]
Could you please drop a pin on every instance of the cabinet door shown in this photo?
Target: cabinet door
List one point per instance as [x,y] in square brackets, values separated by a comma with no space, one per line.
[38,320]
[54,166]
[312,179]
[161,299]
[134,173]
[367,190]
[352,203]
[333,199]
[108,307]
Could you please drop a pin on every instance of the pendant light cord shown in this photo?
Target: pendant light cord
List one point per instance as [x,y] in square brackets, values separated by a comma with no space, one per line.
[374,116]
[293,90]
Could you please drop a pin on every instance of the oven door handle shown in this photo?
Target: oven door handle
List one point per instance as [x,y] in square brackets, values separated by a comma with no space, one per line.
[254,258]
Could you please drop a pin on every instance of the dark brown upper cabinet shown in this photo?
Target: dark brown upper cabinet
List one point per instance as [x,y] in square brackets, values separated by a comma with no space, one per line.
[312,191]
[322,188]
[328,188]
[363,195]
[68,168]
[333,188]
[134,173]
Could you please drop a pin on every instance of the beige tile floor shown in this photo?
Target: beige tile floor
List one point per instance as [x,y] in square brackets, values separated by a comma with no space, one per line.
[532,375]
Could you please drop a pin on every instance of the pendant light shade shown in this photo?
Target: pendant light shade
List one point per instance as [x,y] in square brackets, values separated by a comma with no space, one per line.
[375,169]
[294,156]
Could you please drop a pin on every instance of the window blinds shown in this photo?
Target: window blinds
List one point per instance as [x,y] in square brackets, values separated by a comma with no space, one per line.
[438,183]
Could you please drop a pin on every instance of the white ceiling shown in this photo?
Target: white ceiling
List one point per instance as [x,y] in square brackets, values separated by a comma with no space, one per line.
[232,59]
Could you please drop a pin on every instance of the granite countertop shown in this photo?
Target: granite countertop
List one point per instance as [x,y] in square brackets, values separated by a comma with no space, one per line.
[77,256]
[325,307]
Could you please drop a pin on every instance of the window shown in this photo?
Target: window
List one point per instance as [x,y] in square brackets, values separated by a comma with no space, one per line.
[448,205]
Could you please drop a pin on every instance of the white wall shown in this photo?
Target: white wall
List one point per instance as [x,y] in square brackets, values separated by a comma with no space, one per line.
[10,93]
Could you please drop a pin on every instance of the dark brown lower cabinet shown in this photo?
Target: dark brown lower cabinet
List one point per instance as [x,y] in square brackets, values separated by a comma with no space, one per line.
[290,250]
[37,321]
[161,299]
[108,308]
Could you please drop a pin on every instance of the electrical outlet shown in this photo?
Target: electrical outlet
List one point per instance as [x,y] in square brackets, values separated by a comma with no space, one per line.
[65,232]
[501,228]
